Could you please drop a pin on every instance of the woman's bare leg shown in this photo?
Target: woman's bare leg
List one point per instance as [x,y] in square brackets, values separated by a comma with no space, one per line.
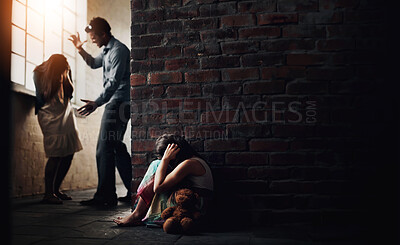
[136,216]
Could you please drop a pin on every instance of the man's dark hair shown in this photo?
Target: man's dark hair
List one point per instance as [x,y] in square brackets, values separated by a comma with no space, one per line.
[99,25]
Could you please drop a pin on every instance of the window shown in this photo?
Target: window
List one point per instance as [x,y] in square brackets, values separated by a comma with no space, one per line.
[41,28]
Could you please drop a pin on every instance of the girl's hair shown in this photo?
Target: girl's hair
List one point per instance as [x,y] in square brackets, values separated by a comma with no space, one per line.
[186,150]
[49,75]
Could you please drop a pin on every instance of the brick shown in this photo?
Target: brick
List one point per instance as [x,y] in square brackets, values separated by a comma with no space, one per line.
[224,145]
[187,37]
[152,118]
[139,159]
[287,44]
[164,52]
[257,6]
[268,145]
[146,40]
[306,59]
[211,10]
[200,24]
[219,116]
[276,18]
[146,92]
[246,158]
[205,132]
[202,49]
[237,20]
[239,102]
[288,72]
[264,87]
[202,76]
[297,6]
[313,31]
[201,104]
[143,66]
[181,64]
[157,131]
[138,5]
[247,130]
[260,32]
[219,34]
[143,145]
[165,26]
[186,90]
[239,47]
[163,4]
[181,13]
[240,74]
[222,89]
[147,16]
[220,62]
[325,17]
[165,104]
[262,59]
[139,53]
[165,78]
[138,29]
[137,80]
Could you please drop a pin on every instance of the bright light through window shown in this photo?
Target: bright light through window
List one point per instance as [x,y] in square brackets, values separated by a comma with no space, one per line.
[40,28]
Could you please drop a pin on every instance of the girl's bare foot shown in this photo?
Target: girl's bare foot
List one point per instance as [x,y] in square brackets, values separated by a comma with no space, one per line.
[130,220]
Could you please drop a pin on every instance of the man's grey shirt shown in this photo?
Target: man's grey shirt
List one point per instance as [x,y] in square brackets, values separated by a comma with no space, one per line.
[116,73]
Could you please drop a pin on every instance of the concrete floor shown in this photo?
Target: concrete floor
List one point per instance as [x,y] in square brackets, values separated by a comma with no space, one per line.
[71,223]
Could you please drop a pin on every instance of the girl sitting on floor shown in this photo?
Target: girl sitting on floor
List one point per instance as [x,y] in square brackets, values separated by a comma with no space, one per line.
[178,166]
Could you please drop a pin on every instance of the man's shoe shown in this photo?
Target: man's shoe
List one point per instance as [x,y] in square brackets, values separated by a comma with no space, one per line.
[126,199]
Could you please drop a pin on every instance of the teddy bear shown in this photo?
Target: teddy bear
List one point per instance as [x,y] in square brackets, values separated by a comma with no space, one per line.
[182,217]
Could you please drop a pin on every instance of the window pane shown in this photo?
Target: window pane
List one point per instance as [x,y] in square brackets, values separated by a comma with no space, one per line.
[29,76]
[34,50]
[71,4]
[53,23]
[17,69]
[54,6]
[69,21]
[18,41]
[35,24]
[18,14]
[68,47]
[52,45]
[37,5]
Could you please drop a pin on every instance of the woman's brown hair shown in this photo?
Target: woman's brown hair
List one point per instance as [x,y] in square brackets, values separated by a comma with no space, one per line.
[49,75]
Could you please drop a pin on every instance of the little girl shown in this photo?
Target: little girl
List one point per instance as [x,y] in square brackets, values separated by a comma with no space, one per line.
[178,165]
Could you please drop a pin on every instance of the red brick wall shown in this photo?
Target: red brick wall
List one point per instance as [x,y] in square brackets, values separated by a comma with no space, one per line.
[279,96]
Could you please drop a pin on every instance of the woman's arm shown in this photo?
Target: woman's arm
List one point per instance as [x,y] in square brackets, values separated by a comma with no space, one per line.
[162,181]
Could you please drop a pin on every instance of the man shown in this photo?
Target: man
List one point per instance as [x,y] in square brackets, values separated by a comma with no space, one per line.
[111,151]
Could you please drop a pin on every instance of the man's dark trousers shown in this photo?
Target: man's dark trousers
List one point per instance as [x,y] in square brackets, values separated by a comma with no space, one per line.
[111,152]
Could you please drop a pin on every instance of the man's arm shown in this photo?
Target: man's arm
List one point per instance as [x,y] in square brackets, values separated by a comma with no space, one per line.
[118,58]
[90,61]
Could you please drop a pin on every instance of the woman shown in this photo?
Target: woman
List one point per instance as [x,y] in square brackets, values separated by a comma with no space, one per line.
[56,119]
[178,165]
